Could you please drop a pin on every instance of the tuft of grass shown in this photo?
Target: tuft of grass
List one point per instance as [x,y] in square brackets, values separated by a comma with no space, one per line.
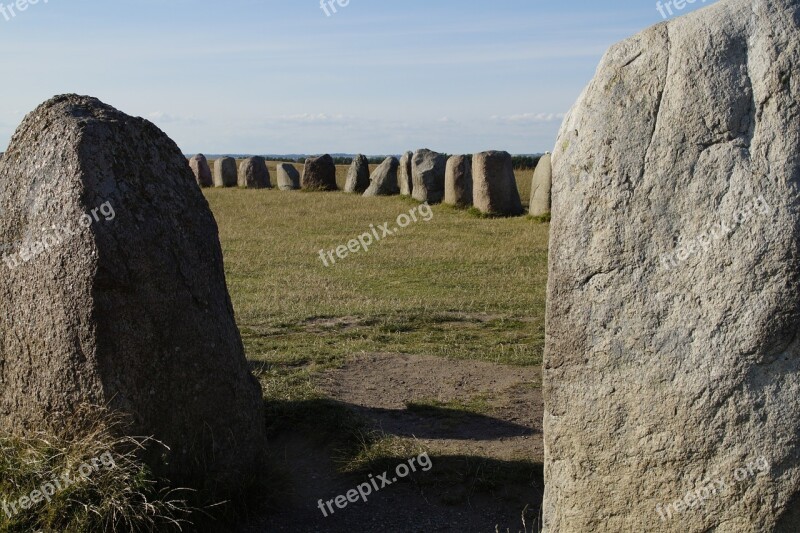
[541,219]
[455,409]
[378,452]
[123,497]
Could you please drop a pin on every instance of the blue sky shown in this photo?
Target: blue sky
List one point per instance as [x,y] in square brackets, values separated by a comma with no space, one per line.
[279,76]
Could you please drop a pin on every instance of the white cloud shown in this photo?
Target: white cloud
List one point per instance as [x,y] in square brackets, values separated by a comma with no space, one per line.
[529,118]
[167,118]
[305,118]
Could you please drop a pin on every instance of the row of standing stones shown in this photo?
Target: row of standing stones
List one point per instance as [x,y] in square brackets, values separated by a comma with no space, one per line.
[485,180]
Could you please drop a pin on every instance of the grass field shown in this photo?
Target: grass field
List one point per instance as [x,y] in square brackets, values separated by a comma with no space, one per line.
[458,287]
[416,292]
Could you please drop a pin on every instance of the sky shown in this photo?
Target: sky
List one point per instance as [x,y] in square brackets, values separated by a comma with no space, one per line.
[282,76]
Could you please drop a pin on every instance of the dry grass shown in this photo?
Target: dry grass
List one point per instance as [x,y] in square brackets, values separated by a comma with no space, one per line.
[118,494]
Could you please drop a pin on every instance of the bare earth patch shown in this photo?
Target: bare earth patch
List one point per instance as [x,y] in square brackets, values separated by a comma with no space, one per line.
[382,386]
[462,411]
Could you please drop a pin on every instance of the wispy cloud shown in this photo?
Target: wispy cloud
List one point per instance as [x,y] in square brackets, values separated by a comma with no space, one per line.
[159,117]
[308,118]
[529,118]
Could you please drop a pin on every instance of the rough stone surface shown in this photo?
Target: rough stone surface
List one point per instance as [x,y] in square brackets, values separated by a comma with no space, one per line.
[404,175]
[288,177]
[672,355]
[541,186]
[131,312]
[225,173]
[458,181]
[254,174]
[427,171]
[494,187]
[358,175]
[319,174]
[383,181]
[201,170]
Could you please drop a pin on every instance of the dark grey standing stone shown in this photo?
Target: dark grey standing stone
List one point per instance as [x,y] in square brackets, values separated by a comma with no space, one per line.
[404,176]
[130,311]
[254,174]
[288,177]
[458,181]
[225,173]
[383,181]
[427,170]
[494,187]
[358,175]
[319,174]
[201,170]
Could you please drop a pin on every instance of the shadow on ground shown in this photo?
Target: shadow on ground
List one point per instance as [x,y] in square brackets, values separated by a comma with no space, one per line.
[316,442]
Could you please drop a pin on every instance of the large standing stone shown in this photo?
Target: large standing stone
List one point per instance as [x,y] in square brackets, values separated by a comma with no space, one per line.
[404,175]
[541,186]
[494,187]
[383,181]
[458,181]
[254,174]
[225,174]
[288,177]
[129,311]
[672,359]
[319,174]
[201,170]
[358,175]
[427,170]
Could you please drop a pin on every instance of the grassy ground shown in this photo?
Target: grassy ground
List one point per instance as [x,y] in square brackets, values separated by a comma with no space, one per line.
[428,289]
[458,286]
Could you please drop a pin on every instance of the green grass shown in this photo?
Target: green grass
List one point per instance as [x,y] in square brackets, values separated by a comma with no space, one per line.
[426,290]
[458,286]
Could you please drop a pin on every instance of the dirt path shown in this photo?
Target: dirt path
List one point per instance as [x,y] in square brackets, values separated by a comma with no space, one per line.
[458,409]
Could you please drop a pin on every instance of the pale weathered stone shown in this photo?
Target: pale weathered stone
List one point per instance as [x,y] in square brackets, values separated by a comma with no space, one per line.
[541,185]
[129,311]
[288,177]
[383,181]
[358,175]
[494,187]
[225,173]
[254,174]
[458,181]
[427,171]
[201,170]
[672,357]
[404,175]
[319,174]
